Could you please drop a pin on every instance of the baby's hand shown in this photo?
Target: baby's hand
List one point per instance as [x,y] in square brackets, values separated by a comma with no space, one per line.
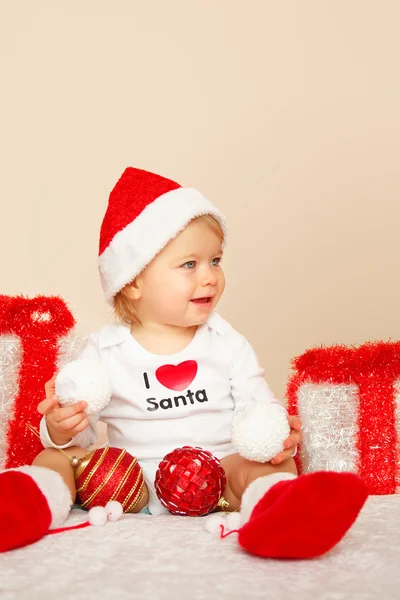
[290,444]
[63,423]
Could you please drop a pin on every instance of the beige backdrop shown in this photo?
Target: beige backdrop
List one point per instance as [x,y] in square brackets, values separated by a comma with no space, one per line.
[285,114]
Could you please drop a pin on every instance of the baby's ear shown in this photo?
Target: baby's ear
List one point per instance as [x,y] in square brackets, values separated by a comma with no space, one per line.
[135,288]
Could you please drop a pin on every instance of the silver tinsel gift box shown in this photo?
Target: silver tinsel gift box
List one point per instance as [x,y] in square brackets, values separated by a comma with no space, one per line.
[349,401]
[10,360]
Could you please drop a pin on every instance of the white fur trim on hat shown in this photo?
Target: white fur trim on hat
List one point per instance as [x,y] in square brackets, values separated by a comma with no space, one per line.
[135,246]
[257,489]
[56,492]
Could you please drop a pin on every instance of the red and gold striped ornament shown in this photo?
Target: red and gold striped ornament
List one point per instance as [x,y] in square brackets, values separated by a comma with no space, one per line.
[108,474]
[190,482]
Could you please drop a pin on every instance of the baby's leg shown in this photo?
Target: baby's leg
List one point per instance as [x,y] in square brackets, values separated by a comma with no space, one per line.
[240,472]
[54,459]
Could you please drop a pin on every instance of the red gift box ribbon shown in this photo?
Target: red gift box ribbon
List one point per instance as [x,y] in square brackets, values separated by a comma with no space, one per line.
[39,323]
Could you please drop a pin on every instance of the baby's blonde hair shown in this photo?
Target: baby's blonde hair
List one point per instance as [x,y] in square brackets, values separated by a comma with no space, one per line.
[124,306]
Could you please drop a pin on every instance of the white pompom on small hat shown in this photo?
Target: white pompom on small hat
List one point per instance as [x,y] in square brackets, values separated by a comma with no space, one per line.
[145,211]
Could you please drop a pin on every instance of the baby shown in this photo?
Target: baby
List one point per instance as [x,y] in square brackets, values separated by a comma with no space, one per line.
[178,373]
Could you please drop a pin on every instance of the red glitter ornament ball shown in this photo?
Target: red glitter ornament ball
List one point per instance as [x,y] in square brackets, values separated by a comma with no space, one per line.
[190,481]
[109,474]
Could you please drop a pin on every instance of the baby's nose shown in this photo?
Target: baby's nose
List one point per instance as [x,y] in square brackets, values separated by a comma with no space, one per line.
[209,276]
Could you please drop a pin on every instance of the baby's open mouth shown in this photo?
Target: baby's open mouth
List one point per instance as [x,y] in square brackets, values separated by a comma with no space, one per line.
[205,300]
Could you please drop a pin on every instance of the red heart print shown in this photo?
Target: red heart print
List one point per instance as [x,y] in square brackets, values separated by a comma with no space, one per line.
[177,377]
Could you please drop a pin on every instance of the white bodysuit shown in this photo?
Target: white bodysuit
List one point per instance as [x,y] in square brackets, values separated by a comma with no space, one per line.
[163,402]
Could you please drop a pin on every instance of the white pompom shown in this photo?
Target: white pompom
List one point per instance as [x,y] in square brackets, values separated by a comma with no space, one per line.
[233,520]
[114,510]
[259,430]
[213,522]
[97,516]
[84,379]
[229,522]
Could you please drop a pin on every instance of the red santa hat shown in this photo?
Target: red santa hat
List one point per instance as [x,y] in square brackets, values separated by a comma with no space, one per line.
[145,211]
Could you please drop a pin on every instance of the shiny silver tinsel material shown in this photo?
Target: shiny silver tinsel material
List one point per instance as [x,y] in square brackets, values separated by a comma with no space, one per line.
[70,347]
[10,352]
[10,355]
[329,416]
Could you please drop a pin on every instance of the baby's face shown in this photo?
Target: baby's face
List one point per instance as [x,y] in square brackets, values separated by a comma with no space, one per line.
[184,283]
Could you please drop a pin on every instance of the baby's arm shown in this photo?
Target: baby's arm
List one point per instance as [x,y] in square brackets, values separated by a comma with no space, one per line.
[258,414]
[247,377]
[67,426]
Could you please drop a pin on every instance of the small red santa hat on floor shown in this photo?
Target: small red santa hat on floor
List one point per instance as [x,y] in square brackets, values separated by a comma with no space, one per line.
[284,516]
[145,211]
[33,500]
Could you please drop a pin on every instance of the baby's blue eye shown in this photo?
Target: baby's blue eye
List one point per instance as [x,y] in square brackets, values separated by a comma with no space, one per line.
[190,264]
[215,261]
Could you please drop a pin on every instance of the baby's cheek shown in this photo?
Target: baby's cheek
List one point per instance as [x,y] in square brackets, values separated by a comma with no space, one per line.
[221,287]
[183,290]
